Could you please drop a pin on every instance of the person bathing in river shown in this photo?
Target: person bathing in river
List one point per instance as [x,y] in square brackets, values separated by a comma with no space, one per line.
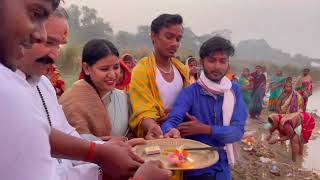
[298,128]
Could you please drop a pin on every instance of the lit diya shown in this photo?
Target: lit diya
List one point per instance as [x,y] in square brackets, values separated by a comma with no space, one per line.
[180,158]
[178,154]
[248,141]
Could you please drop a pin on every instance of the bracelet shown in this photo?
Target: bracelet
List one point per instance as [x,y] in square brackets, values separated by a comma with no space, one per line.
[91,151]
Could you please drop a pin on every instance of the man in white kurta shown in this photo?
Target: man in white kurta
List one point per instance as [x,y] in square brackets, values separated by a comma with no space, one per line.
[64,169]
[31,69]
[24,133]
[25,148]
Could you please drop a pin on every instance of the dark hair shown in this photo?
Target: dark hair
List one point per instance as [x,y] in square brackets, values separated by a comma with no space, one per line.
[191,59]
[60,12]
[94,50]
[216,44]
[128,58]
[288,79]
[165,20]
[270,120]
[306,69]
[55,3]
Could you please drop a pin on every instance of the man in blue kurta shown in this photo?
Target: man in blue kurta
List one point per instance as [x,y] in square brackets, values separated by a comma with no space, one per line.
[211,111]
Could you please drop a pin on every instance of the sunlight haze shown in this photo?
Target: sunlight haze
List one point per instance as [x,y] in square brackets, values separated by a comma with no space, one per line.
[290,25]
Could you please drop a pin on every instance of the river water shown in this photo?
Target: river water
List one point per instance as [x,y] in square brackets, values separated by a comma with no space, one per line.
[312,157]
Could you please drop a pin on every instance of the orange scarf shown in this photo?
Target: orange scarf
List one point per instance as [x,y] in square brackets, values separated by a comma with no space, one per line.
[126,77]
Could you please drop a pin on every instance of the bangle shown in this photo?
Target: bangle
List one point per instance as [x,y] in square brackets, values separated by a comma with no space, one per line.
[91,151]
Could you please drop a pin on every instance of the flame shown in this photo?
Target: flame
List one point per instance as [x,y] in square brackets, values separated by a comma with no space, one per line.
[249,140]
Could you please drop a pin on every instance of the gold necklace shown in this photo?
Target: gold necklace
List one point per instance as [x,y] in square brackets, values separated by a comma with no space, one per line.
[166,72]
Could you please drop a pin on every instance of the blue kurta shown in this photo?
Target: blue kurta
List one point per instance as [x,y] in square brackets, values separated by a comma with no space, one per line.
[208,110]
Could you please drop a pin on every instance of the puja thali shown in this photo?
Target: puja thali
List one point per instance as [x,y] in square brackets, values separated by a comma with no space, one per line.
[196,159]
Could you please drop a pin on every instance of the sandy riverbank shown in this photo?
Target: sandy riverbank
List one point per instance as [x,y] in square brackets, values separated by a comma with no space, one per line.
[257,163]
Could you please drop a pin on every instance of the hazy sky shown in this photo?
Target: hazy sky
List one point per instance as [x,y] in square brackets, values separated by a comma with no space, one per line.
[291,25]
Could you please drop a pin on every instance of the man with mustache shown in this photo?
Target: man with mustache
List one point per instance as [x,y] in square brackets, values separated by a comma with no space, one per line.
[25,148]
[35,63]
[43,65]
[32,68]
[24,134]
[158,78]
[211,111]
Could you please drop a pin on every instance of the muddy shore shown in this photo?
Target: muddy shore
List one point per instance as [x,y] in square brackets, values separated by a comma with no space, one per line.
[256,164]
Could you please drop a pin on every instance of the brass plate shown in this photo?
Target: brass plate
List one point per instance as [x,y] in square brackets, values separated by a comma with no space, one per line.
[201,158]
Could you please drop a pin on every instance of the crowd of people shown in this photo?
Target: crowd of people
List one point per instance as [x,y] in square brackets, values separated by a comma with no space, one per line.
[89,130]
[287,104]
[255,87]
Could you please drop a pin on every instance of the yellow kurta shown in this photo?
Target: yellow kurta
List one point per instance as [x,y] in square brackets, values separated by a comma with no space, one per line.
[144,94]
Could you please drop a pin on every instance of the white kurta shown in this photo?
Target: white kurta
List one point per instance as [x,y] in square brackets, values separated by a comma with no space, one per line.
[66,169]
[25,148]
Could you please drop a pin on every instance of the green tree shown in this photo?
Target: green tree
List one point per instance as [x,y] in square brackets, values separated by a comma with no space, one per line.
[125,40]
[85,24]
[189,41]
[74,21]
[143,36]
